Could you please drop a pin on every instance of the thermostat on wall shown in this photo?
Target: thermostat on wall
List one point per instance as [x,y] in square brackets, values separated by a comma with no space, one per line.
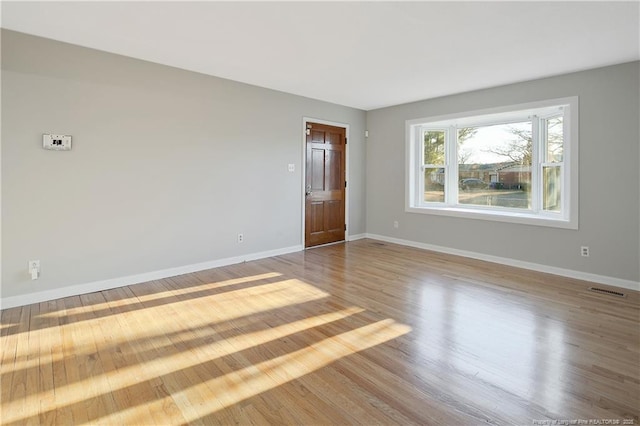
[56,142]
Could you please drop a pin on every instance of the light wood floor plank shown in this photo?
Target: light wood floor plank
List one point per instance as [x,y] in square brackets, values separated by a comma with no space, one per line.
[356,333]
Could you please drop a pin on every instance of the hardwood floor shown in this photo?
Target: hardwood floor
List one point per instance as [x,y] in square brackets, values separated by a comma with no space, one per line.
[357,333]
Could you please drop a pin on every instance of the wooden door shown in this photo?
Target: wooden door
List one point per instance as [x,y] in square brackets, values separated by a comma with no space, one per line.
[325,184]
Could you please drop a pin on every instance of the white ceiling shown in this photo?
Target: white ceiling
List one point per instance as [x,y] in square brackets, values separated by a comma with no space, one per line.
[360,54]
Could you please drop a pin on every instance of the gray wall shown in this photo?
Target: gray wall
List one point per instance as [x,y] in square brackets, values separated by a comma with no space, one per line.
[167,166]
[609,178]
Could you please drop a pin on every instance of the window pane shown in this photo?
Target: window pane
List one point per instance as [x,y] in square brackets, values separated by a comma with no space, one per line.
[434,147]
[555,140]
[552,188]
[494,165]
[434,185]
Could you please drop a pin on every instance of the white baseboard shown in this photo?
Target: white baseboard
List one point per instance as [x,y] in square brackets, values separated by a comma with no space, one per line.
[43,296]
[356,237]
[75,290]
[569,273]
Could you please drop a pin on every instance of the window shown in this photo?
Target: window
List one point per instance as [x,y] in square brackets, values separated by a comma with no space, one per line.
[514,164]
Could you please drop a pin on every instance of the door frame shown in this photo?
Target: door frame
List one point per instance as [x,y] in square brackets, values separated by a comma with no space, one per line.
[303,161]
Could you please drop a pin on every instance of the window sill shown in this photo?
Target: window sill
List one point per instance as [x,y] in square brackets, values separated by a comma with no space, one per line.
[497,216]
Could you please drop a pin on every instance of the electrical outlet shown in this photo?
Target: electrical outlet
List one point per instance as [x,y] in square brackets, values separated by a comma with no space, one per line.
[34,269]
[240,238]
[584,251]
[395,224]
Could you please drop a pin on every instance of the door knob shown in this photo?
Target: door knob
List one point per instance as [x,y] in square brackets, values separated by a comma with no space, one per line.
[308,190]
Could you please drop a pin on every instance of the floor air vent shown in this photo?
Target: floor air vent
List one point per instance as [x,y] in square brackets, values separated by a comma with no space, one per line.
[605,291]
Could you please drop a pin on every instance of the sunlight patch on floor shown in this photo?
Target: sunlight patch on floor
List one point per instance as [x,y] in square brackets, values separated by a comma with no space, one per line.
[144,323]
[163,366]
[162,294]
[239,385]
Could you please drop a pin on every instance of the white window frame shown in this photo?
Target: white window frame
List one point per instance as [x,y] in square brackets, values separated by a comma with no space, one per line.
[536,111]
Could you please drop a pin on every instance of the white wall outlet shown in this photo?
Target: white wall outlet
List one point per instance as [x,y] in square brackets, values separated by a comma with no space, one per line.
[292,168]
[34,269]
[56,142]
[584,251]
[396,224]
[240,238]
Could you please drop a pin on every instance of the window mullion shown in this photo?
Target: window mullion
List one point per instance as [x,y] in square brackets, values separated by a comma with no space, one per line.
[536,164]
[451,160]
[566,162]
[420,175]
